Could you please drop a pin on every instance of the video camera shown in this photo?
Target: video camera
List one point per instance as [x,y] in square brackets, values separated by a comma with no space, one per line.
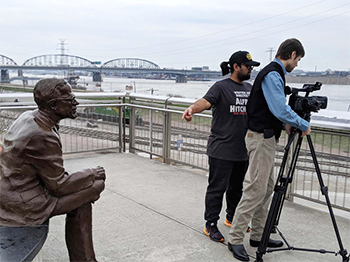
[303,105]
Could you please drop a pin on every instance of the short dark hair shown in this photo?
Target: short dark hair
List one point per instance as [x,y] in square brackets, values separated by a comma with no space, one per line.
[47,89]
[290,45]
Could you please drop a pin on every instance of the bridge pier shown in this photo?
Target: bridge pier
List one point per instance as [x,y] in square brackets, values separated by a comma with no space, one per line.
[5,76]
[24,79]
[97,77]
[181,79]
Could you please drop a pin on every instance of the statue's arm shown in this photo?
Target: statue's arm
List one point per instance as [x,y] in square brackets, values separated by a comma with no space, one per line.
[45,154]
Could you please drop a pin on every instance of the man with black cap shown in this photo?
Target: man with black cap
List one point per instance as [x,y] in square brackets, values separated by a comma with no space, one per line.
[228,158]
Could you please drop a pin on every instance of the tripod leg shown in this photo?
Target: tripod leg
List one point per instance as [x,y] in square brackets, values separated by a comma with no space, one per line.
[278,197]
[324,190]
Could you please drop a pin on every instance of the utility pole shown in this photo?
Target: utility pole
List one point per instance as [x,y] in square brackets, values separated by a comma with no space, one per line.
[271,49]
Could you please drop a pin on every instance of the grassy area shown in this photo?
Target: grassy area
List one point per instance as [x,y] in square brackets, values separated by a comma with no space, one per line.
[16,88]
[337,141]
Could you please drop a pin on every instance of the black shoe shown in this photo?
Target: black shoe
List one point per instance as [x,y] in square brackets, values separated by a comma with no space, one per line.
[212,231]
[271,243]
[238,252]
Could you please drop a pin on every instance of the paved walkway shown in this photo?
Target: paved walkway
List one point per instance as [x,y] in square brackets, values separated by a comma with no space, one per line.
[151,211]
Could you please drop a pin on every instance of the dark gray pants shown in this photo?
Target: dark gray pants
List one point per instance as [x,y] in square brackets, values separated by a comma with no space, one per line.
[224,176]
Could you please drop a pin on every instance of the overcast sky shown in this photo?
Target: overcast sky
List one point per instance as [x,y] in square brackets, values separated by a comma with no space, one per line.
[177,34]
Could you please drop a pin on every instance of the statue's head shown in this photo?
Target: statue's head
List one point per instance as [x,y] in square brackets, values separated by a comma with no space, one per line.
[55,95]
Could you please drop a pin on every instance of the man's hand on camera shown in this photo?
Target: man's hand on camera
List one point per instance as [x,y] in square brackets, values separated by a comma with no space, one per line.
[307,132]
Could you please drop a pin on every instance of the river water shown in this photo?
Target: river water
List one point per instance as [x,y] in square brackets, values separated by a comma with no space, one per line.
[338,95]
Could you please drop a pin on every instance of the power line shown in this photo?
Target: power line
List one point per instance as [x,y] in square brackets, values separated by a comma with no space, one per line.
[244,40]
[226,30]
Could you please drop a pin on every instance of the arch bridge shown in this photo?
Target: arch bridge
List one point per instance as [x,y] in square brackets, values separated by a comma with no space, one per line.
[60,60]
[131,66]
[130,63]
[4,60]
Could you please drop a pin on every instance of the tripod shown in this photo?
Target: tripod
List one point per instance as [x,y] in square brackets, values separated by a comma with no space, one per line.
[278,199]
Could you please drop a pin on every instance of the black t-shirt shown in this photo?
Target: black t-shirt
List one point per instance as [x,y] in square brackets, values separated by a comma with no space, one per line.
[229,123]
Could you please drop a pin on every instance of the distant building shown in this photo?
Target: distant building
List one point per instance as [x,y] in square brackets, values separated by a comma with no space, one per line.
[203,68]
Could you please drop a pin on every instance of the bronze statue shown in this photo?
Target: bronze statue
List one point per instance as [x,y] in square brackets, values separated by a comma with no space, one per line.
[34,185]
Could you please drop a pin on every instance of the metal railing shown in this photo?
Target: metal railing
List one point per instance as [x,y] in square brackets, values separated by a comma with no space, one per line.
[332,151]
[97,127]
[163,134]
[153,125]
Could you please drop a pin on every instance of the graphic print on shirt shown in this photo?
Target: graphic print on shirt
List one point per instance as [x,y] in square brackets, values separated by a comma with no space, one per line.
[240,107]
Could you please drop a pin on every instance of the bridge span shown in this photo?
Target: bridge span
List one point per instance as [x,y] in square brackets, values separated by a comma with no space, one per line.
[133,66]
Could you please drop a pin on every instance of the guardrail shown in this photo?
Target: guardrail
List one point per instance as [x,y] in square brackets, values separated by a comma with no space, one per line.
[153,125]
[97,126]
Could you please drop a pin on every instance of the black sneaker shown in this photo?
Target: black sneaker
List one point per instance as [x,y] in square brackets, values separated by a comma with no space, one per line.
[212,231]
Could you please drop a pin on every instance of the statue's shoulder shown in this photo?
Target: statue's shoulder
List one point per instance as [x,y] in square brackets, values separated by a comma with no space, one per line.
[22,124]
[28,125]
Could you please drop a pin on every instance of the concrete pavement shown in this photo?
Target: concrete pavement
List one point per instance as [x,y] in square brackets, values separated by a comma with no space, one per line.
[151,211]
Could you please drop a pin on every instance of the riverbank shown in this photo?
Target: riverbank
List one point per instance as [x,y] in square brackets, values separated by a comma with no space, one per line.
[326,80]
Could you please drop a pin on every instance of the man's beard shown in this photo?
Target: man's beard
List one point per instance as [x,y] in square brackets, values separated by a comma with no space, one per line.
[242,77]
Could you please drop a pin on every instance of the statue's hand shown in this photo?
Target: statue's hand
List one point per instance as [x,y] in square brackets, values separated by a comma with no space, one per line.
[98,186]
[100,173]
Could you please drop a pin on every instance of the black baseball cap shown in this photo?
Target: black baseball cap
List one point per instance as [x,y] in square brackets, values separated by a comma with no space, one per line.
[242,57]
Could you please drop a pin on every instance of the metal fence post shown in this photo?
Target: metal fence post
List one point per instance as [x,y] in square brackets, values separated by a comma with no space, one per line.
[121,133]
[132,129]
[122,124]
[150,133]
[166,138]
[166,135]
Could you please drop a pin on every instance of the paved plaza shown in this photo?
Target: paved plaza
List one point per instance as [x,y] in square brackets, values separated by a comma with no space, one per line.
[151,211]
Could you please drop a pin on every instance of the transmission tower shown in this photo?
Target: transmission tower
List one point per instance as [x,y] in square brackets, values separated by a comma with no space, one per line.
[271,49]
[62,51]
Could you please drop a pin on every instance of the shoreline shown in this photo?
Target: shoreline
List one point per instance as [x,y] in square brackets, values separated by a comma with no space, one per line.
[326,80]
